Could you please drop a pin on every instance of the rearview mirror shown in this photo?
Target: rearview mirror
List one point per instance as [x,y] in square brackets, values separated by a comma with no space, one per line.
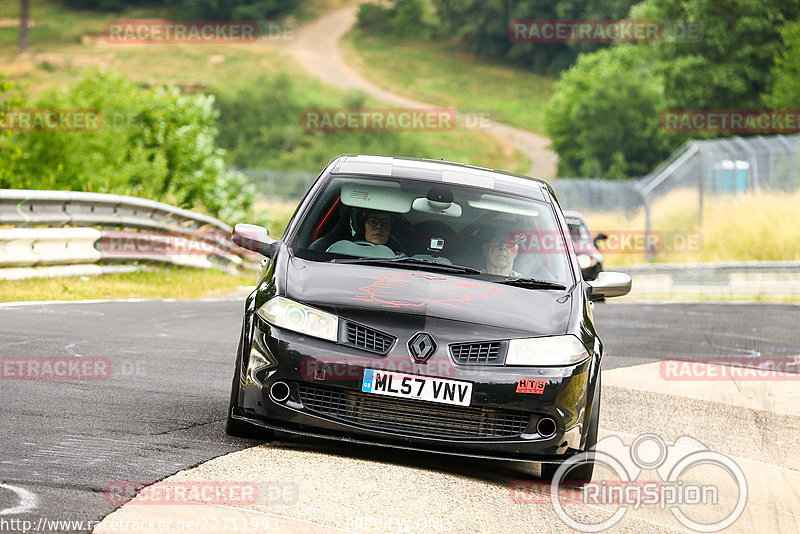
[610,284]
[255,238]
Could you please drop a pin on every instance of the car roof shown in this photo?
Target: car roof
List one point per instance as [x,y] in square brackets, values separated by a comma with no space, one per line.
[569,214]
[440,170]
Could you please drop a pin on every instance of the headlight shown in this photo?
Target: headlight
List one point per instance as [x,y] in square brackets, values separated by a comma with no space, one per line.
[544,351]
[585,261]
[300,318]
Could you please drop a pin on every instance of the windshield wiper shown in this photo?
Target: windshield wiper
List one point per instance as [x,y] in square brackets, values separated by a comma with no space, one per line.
[411,262]
[531,283]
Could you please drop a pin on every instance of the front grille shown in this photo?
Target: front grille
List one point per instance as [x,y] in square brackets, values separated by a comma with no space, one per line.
[411,417]
[476,352]
[367,338]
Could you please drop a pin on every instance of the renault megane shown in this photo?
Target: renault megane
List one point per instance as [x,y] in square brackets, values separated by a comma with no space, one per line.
[425,305]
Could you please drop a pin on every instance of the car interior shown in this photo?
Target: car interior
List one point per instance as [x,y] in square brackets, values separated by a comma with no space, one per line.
[435,223]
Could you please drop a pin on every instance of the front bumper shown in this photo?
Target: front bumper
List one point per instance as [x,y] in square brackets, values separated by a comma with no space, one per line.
[499,423]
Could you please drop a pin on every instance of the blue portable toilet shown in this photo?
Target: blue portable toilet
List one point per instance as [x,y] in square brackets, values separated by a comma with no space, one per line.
[730,176]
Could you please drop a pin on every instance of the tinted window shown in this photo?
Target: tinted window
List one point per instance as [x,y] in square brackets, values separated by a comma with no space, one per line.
[496,233]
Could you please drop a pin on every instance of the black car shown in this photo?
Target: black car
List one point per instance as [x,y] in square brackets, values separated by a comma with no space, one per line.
[590,259]
[411,303]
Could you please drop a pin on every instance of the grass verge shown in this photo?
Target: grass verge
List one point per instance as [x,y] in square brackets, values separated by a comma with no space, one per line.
[66,42]
[153,283]
[438,73]
[759,226]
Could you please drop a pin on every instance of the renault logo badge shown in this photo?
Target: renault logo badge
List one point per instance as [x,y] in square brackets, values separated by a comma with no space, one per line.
[421,347]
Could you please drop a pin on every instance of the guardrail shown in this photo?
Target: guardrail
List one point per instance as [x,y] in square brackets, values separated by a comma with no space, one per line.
[732,280]
[51,228]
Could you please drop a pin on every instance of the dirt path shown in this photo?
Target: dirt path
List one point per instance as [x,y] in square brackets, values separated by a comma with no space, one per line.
[317,50]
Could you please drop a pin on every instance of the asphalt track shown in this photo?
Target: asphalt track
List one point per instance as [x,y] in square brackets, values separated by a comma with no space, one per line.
[161,409]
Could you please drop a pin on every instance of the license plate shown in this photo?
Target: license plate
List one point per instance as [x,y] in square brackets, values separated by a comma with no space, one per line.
[417,387]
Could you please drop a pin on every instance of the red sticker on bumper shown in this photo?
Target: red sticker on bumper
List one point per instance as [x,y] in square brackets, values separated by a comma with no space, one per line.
[531,385]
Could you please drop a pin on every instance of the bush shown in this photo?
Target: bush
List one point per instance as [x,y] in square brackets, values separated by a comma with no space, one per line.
[603,117]
[372,17]
[9,152]
[238,9]
[405,18]
[785,90]
[153,143]
[107,5]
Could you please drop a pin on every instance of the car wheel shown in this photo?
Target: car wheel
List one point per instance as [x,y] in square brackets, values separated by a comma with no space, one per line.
[243,429]
[581,474]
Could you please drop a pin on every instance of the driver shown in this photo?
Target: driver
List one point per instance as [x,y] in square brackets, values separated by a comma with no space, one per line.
[499,251]
[377,227]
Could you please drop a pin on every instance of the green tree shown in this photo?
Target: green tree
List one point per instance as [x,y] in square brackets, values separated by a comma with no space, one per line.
[618,95]
[729,67]
[404,18]
[153,143]
[785,91]
[600,118]
[238,9]
[482,26]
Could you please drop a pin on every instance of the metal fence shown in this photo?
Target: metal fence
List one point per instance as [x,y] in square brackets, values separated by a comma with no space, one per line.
[702,168]
[290,185]
[711,167]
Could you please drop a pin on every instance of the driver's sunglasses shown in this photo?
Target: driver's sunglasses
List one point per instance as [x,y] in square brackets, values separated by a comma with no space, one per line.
[501,243]
[376,222]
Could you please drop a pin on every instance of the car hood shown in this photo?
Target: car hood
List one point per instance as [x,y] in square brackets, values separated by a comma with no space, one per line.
[340,287]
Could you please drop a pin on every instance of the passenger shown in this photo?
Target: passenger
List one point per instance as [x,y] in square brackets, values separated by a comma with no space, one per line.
[499,251]
[377,226]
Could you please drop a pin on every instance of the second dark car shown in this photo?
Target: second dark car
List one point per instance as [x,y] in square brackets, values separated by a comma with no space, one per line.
[590,259]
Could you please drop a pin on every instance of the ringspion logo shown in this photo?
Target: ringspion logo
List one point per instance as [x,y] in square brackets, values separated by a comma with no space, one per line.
[691,478]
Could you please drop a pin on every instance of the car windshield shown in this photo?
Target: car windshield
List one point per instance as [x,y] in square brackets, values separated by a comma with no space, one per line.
[581,237]
[435,226]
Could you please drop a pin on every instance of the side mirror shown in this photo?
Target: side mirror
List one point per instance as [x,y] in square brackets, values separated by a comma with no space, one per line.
[610,284]
[600,237]
[255,238]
